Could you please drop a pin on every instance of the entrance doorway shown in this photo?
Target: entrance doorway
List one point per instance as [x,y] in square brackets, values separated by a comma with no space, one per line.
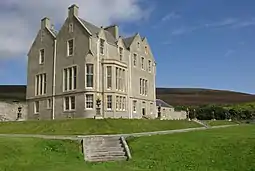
[143,111]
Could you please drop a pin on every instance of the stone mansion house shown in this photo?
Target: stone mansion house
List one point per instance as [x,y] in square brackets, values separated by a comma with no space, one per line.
[69,71]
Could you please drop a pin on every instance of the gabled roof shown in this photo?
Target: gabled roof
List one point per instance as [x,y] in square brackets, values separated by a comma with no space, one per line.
[128,41]
[161,103]
[95,30]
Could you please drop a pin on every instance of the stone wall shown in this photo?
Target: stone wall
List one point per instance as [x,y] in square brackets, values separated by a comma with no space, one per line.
[9,110]
[171,114]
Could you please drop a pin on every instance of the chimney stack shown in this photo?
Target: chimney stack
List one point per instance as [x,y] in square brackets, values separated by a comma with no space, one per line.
[45,23]
[73,11]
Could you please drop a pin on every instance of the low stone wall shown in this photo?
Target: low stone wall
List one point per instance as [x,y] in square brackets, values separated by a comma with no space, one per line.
[9,110]
[170,114]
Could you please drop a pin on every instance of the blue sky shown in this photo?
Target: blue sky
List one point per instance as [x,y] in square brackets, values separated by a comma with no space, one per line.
[196,43]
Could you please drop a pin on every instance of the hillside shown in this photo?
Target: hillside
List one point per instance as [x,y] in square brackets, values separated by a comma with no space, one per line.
[13,92]
[195,96]
[173,96]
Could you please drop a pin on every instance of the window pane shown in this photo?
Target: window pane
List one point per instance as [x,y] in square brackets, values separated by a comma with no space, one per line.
[109,77]
[121,53]
[37,107]
[117,79]
[74,77]
[70,47]
[135,59]
[45,84]
[109,102]
[89,101]
[89,75]
[41,56]
[134,105]
[66,103]
[65,79]
[102,46]
[117,102]
[72,102]
[37,85]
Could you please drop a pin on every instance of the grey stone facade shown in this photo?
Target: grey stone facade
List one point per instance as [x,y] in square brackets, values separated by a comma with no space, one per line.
[82,63]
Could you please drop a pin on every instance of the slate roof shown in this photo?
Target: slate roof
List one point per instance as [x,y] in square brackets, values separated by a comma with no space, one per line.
[95,30]
[162,103]
[128,41]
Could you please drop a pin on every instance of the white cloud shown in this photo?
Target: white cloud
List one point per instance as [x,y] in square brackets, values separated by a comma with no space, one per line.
[172,15]
[230,23]
[20,20]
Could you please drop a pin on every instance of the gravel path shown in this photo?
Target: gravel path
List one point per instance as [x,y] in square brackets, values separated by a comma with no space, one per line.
[79,137]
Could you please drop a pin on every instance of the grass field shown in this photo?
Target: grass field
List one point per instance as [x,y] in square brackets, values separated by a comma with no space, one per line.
[92,126]
[228,149]
[219,122]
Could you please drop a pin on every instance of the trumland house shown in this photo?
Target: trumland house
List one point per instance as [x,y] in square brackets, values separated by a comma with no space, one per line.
[71,70]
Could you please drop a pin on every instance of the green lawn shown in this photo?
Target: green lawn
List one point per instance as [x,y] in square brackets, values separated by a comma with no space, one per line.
[219,122]
[228,149]
[92,126]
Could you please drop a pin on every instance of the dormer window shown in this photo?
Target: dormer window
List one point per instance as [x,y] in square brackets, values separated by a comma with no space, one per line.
[102,42]
[70,28]
[121,53]
[41,56]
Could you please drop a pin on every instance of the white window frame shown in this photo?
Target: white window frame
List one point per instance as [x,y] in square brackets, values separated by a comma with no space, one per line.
[123,80]
[141,80]
[69,99]
[117,102]
[49,104]
[135,59]
[149,65]
[40,84]
[68,47]
[138,45]
[124,103]
[89,74]
[89,103]
[146,88]
[134,106]
[41,56]
[142,63]
[121,49]
[109,102]
[120,103]
[151,108]
[67,86]
[109,77]
[36,108]
[101,46]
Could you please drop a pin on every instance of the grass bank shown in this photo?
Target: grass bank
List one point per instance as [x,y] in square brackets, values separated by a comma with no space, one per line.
[228,149]
[92,126]
[219,122]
